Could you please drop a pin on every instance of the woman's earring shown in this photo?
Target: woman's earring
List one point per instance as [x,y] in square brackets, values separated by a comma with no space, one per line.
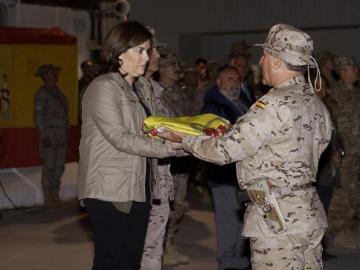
[120,62]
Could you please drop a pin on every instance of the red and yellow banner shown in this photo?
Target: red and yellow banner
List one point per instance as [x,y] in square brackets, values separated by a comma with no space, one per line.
[22,52]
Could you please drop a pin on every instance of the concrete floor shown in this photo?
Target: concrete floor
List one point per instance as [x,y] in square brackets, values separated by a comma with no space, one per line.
[37,239]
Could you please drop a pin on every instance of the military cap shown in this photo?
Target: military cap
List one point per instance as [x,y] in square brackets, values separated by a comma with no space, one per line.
[240,48]
[166,56]
[344,61]
[290,44]
[45,68]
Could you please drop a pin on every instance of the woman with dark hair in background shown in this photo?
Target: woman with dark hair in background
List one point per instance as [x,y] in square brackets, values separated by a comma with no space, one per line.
[114,169]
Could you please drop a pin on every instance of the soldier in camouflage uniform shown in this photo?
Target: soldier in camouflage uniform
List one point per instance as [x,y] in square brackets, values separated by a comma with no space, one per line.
[51,121]
[276,147]
[344,212]
[176,101]
[325,59]
[162,186]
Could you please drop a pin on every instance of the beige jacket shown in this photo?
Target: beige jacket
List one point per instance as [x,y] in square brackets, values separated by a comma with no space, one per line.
[113,148]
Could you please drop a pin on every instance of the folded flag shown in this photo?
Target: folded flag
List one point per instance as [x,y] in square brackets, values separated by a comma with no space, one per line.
[204,124]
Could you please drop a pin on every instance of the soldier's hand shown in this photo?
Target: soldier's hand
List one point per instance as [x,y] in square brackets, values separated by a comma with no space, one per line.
[176,145]
[46,142]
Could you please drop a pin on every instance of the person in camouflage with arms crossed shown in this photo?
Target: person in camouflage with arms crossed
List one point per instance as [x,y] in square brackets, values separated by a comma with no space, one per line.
[276,147]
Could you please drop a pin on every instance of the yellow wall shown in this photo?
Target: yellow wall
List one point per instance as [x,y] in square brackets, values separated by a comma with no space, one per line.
[20,63]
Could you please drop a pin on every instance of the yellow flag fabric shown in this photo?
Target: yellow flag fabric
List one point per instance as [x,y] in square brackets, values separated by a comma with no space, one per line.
[190,125]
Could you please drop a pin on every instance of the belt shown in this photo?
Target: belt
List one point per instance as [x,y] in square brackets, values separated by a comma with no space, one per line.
[283,191]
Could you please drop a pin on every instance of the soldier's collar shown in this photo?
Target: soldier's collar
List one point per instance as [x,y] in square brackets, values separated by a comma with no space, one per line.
[292,81]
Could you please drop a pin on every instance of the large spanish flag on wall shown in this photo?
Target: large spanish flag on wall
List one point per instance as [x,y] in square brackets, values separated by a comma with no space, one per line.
[22,52]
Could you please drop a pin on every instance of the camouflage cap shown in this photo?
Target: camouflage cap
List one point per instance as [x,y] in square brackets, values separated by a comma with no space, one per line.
[45,68]
[240,48]
[290,44]
[166,56]
[344,61]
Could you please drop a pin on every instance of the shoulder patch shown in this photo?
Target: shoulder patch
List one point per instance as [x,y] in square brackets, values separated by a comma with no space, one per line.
[260,104]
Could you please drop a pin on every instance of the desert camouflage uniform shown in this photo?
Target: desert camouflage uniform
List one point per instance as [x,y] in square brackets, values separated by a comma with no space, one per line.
[51,120]
[344,212]
[279,140]
[176,101]
[277,146]
[162,186]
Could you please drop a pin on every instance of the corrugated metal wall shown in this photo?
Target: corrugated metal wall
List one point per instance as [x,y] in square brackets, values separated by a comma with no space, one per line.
[209,26]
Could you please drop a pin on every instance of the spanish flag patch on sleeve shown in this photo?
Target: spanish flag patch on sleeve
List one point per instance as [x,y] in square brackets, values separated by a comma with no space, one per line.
[260,104]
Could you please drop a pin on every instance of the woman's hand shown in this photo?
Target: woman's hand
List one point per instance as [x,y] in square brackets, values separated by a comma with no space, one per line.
[171,135]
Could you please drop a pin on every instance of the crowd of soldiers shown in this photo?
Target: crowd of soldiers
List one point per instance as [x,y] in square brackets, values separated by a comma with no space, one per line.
[183,90]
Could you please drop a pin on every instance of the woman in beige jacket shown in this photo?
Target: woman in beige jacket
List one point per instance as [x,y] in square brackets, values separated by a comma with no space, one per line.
[114,169]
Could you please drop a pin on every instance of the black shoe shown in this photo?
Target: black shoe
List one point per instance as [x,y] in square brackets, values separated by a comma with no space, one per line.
[327,256]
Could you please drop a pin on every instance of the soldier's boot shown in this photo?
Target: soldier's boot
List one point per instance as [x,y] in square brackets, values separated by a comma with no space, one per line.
[172,255]
[169,259]
[346,239]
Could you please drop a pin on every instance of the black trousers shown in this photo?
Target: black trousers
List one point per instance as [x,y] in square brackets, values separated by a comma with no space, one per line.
[119,237]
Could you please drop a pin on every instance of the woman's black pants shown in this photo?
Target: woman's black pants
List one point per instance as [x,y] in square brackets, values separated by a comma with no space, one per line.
[119,237]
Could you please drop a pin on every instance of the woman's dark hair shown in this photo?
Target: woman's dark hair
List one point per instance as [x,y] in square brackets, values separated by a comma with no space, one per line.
[122,37]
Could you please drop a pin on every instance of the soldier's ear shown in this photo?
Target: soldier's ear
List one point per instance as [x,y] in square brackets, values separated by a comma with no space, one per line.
[276,63]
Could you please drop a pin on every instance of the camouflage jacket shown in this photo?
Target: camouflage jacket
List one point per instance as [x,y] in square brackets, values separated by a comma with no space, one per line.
[345,108]
[280,139]
[162,186]
[50,110]
[175,100]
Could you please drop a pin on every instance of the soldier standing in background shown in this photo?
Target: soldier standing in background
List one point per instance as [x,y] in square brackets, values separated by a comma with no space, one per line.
[51,121]
[344,212]
[88,69]
[328,176]
[325,61]
[277,147]
[162,185]
[174,98]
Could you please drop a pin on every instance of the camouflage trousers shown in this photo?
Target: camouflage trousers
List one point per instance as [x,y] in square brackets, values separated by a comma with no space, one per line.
[53,159]
[344,211]
[155,235]
[294,251]
[177,214]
